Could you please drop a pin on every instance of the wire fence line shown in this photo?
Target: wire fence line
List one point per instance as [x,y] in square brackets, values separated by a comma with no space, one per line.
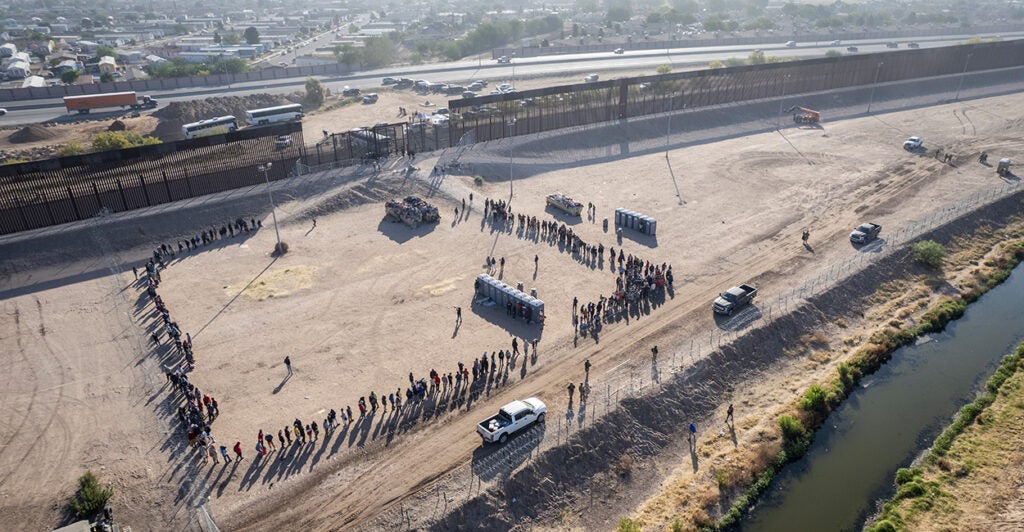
[638,376]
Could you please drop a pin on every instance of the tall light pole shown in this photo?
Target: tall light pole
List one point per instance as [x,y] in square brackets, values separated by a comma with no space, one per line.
[778,119]
[962,74]
[511,125]
[878,70]
[265,168]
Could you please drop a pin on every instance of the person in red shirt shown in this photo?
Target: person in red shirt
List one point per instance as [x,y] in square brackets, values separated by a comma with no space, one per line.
[238,451]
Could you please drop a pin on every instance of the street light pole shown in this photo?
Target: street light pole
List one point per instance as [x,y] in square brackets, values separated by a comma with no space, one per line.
[511,124]
[778,119]
[265,168]
[878,70]
[962,74]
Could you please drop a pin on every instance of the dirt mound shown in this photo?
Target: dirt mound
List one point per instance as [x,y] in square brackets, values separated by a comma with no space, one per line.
[117,126]
[32,133]
[176,114]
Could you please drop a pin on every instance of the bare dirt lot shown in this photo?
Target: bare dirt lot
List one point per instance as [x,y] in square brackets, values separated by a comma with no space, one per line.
[359,302]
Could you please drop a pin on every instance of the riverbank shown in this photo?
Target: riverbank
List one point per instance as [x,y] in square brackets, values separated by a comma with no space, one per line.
[855,330]
[972,477]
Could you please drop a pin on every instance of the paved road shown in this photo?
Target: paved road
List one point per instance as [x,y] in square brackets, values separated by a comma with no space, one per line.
[604,64]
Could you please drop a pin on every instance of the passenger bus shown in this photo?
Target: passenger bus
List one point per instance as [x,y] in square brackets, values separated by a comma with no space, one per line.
[212,126]
[270,115]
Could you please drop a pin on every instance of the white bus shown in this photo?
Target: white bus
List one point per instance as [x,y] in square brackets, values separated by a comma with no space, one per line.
[212,126]
[281,113]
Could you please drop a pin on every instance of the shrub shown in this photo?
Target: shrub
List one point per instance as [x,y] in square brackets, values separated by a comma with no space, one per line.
[119,140]
[90,498]
[478,180]
[628,525]
[906,474]
[815,400]
[930,253]
[792,428]
[625,465]
[281,248]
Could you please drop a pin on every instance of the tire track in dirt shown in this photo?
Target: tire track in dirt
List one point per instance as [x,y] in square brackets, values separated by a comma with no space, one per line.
[19,345]
[974,130]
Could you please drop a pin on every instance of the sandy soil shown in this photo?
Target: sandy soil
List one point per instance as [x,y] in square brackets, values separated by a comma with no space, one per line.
[359,302]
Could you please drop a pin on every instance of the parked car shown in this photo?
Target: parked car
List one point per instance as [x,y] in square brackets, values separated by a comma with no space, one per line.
[468,94]
[913,143]
[504,87]
[865,232]
[283,142]
[510,419]
[455,89]
[481,82]
[591,78]
[370,98]
[851,48]
[349,91]
[475,86]
[388,81]
[442,111]
[913,45]
[619,51]
[504,59]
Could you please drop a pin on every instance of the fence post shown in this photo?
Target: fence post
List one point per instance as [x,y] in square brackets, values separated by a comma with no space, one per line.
[96,192]
[145,192]
[49,210]
[167,186]
[74,204]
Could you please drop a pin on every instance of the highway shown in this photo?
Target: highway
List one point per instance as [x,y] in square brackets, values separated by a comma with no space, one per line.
[604,64]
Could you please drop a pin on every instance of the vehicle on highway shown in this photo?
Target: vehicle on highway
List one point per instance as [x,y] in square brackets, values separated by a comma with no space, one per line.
[865,232]
[350,91]
[892,44]
[213,126]
[913,45]
[591,78]
[3,111]
[84,104]
[835,43]
[283,142]
[618,51]
[851,48]
[510,419]
[734,299]
[791,44]
[388,81]
[504,59]
[913,143]
[272,115]
[370,98]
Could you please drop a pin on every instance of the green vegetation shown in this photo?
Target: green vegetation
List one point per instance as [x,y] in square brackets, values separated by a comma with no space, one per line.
[629,525]
[71,148]
[833,53]
[930,253]
[90,498]
[663,69]
[251,35]
[119,140]
[492,35]
[376,52]
[69,76]
[315,93]
[178,68]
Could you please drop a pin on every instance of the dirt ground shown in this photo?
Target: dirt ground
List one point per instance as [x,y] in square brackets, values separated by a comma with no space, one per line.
[359,302]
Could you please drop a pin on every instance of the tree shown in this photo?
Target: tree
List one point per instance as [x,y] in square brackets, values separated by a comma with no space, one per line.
[315,93]
[347,55]
[69,76]
[252,35]
[91,496]
[231,39]
[756,57]
[103,51]
[618,14]
[119,140]
[378,51]
[106,77]
[216,37]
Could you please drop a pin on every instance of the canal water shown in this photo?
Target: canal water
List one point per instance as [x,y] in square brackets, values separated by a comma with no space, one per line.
[895,414]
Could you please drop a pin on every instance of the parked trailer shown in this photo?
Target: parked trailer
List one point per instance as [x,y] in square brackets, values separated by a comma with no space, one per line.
[84,104]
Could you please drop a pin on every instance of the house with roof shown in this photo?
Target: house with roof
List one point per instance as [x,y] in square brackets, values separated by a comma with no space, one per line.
[20,65]
[107,65]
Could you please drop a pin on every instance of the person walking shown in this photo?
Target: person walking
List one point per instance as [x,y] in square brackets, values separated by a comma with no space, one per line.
[238,451]
[270,442]
[586,369]
[288,364]
[136,272]
[458,314]
[693,435]
[806,236]
[515,346]
[224,453]
[572,389]
[728,415]
[583,393]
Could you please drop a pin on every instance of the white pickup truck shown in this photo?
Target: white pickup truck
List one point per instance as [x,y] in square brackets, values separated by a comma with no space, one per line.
[512,418]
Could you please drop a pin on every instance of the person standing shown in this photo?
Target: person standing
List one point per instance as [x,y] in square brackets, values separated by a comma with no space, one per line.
[515,346]
[288,364]
[586,369]
[458,314]
[224,453]
[693,435]
[728,415]
[572,389]
[238,451]
[270,441]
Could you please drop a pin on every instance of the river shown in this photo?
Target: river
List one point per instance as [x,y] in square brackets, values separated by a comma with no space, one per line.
[895,414]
